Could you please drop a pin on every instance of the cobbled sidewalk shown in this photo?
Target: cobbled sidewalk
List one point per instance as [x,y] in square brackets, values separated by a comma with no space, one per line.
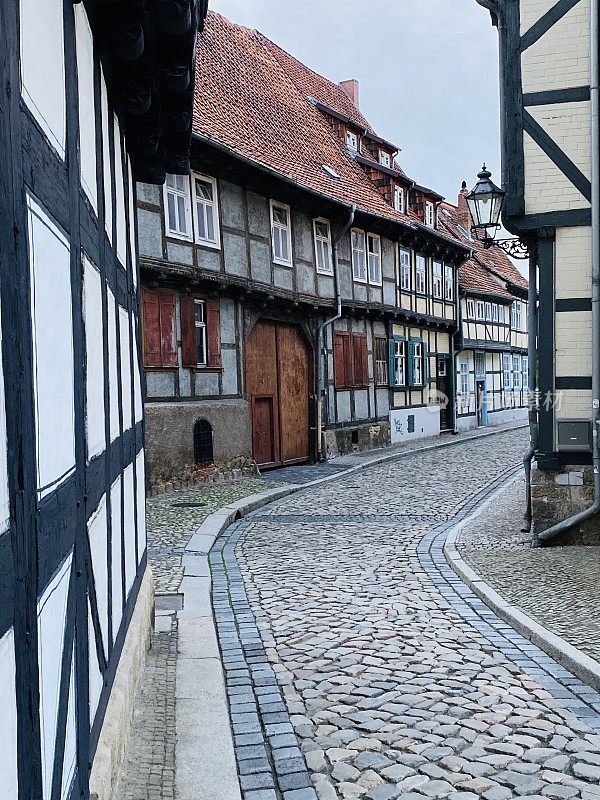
[358,664]
[559,587]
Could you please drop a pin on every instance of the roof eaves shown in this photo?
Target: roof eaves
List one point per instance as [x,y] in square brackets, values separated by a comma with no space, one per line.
[370,162]
[333,113]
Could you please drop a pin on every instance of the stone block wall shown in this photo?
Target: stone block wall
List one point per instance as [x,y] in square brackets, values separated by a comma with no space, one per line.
[557,495]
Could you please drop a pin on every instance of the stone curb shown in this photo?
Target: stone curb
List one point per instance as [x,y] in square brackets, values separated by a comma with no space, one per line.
[583,666]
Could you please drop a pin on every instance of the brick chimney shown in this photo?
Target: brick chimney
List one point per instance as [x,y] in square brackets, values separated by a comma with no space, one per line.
[463,208]
[351,89]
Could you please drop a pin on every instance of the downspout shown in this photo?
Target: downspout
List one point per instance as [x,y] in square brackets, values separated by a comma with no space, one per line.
[457,347]
[532,328]
[582,516]
[326,324]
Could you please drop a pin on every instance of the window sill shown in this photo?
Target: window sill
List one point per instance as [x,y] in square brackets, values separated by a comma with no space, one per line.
[210,245]
[280,263]
[160,369]
[325,273]
[205,369]
[180,237]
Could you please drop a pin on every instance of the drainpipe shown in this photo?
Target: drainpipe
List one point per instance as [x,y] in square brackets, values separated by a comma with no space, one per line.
[582,516]
[326,324]
[457,346]
[532,327]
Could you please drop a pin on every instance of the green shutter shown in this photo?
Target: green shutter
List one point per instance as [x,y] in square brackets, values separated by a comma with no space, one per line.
[410,363]
[425,364]
[392,361]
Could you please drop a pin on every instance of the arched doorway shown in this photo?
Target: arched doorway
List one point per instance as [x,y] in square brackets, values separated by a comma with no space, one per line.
[203,442]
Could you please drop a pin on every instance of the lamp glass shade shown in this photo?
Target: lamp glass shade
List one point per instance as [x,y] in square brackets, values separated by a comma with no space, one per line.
[485,202]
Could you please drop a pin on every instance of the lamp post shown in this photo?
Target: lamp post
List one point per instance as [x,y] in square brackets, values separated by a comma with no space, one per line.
[485,202]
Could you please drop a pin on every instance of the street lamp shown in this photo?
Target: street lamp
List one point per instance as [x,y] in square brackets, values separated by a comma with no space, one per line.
[485,202]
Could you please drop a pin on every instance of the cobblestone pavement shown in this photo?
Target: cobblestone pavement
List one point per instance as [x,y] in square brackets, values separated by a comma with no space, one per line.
[556,586]
[358,665]
[173,518]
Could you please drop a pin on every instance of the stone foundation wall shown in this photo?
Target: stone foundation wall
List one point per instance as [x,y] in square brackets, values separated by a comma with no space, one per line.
[556,495]
[370,436]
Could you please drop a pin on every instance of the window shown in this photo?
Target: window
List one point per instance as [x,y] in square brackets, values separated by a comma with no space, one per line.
[374,251]
[480,365]
[200,332]
[506,363]
[351,140]
[488,312]
[399,199]
[381,361]
[421,270]
[418,364]
[437,279]
[200,325]
[449,284]
[399,362]
[470,308]
[404,268]
[464,383]
[429,215]
[322,232]
[158,316]
[281,233]
[516,311]
[495,312]
[350,360]
[359,269]
[480,314]
[525,371]
[501,314]
[177,206]
[384,158]
[206,210]
[516,365]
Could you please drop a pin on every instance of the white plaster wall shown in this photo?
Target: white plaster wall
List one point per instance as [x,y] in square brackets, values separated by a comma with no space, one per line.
[95,675]
[92,309]
[113,368]
[427,423]
[98,536]
[138,406]
[87,109]
[124,329]
[130,531]
[573,270]
[132,237]
[52,608]
[120,192]
[108,215]
[43,67]
[8,719]
[573,343]
[52,329]
[141,503]
[117,594]
[70,754]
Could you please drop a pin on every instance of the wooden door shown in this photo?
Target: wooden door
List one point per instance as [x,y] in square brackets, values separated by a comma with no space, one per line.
[277,387]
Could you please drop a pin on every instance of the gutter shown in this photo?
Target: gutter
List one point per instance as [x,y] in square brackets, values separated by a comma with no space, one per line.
[321,329]
[582,516]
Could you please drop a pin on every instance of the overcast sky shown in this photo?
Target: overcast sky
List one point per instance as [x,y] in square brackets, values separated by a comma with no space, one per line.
[428,73]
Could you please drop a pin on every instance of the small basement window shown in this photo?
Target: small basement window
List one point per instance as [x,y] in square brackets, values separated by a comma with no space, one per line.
[203,442]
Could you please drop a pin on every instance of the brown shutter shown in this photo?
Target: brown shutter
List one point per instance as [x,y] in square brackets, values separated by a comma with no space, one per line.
[213,332]
[151,322]
[187,314]
[341,364]
[168,338]
[360,359]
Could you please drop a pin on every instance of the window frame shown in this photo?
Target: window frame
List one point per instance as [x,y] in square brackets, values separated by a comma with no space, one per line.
[437,287]
[488,311]
[363,236]
[507,372]
[480,304]
[316,239]
[374,237]
[418,273]
[501,314]
[516,371]
[429,214]
[275,204]
[199,301]
[354,136]
[385,159]
[525,372]
[465,394]
[418,357]
[516,321]
[405,287]
[448,283]
[471,308]
[215,243]
[381,341]
[400,357]
[189,216]
[399,193]
[494,312]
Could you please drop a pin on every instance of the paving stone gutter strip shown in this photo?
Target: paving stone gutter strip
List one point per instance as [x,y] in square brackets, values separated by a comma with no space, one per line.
[579,663]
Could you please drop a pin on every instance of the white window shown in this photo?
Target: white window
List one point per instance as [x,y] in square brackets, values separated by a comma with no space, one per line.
[359,258]
[480,309]
[206,210]
[495,312]
[429,215]
[200,322]
[399,199]
[352,140]
[177,206]
[488,312]
[516,364]
[400,362]
[420,272]
[501,314]
[525,371]
[464,382]
[374,252]
[449,286]
[404,268]
[322,233]
[506,364]
[384,158]
[281,233]
[516,321]
[437,279]
[470,308]
[418,364]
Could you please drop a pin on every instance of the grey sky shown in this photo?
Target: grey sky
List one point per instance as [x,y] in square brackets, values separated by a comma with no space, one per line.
[427,71]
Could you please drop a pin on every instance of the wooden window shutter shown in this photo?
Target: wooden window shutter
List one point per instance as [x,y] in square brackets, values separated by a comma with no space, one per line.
[392,361]
[151,320]
[213,332]
[360,360]
[187,314]
[341,365]
[168,338]
[410,359]
[425,364]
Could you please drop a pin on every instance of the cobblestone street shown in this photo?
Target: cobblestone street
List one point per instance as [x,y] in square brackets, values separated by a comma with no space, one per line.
[359,665]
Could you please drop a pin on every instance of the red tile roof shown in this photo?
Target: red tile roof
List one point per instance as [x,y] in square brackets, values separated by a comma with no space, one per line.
[252,98]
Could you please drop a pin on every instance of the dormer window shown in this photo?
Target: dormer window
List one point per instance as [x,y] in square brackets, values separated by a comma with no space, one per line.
[399,199]
[352,140]
[384,158]
[429,215]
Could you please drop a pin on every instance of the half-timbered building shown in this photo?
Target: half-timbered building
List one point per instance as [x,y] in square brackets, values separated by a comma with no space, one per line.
[299,297]
[92,96]
[551,152]
[492,365]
